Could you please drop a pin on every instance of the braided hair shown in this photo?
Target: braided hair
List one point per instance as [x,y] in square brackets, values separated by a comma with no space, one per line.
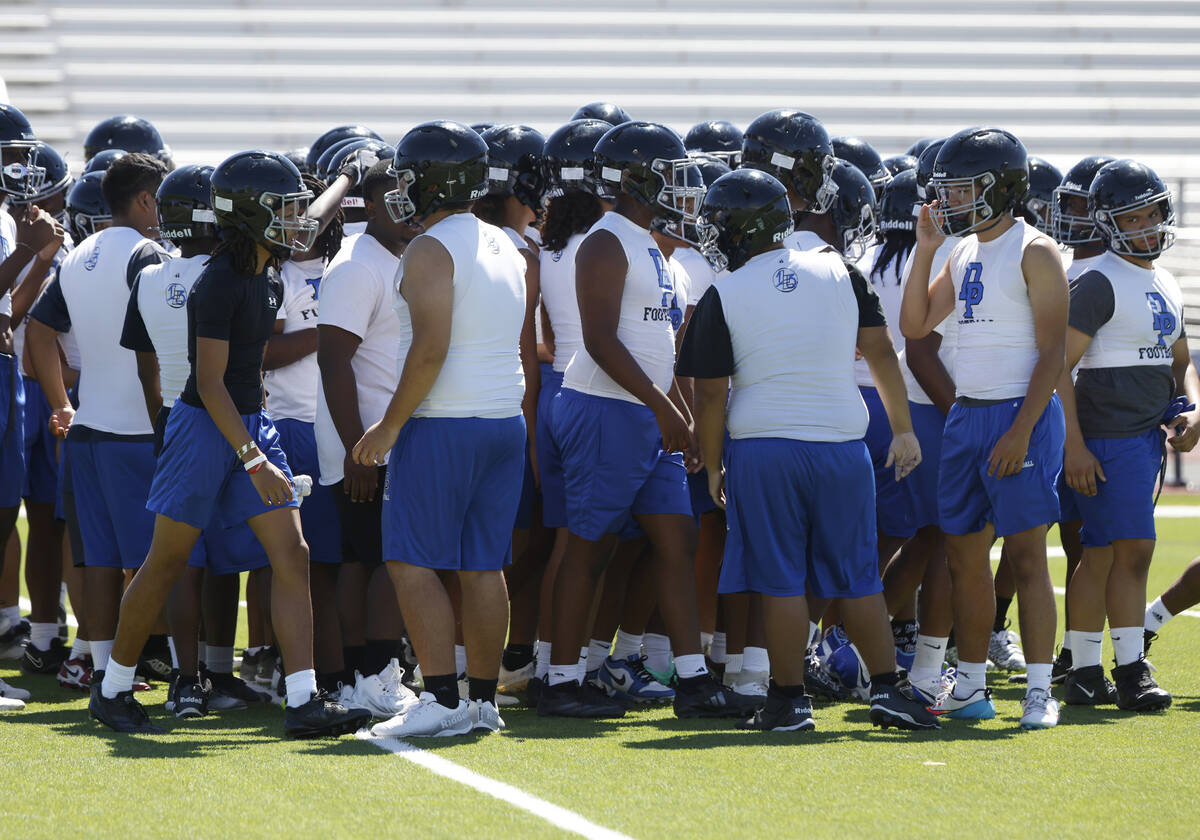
[242,250]
[567,214]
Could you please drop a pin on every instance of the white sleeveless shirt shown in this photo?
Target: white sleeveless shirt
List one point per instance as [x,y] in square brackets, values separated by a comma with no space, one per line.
[163,291]
[558,296]
[1147,316]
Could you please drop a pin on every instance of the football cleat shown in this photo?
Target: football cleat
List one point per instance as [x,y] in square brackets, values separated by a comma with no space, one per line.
[76,673]
[571,699]
[1004,651]
[515,682]
[228,692]
[900,706]
[13,641]
[703,696]
[1136,689]
[975,706]
[428,719]
[248,667]
[1061,666]
[932,691]
[322,716]
[267,659]
[1148,637]
[1039,710]
[191,697]
[628,679]
[1088,687]
[11,692]
[121,713]
[155,661]
[782,714]
[34,660]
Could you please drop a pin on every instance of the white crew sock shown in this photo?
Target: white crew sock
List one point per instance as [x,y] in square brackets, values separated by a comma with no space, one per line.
[219,659]
[1039,675]
[543,660]
[581,666]
[1157,615]
[627,645]
[733,664]
[460,659]
[1085,648]
[658,652]
[690,665]
[927,663]
[717,651]
[81,648]
[597,652]
[972,676]
[41,633]
[9,616]
[300,687]
[1066,645]
[1127,644]
[101,651]
[117,678]
[174,654]
[756,659]
[559,674]
[251,651]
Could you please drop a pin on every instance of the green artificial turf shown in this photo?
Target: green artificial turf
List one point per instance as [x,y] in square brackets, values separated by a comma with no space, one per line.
[1101,772]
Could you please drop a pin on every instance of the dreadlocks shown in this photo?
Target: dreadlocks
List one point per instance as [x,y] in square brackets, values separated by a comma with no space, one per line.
[242,250]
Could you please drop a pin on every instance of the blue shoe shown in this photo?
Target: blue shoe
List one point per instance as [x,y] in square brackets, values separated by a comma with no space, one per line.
[628,679]
[975,706]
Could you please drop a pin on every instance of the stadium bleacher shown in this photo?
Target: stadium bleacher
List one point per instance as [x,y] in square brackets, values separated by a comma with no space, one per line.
[1070,77]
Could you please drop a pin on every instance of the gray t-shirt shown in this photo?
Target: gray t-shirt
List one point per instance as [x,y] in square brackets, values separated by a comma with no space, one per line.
[1114,402]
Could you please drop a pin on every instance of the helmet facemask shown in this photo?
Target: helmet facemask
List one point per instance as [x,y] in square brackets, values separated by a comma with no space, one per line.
[400,205]
[856,240]
[289,227]
[954,218]
[21,179]
[1072,228]
[681,199]
[1145,243]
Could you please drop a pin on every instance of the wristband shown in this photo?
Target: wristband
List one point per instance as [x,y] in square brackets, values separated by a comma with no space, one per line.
[255,464]
[246,447]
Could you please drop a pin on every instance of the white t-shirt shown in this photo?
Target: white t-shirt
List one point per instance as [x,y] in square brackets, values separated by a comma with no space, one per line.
[162,301]
[482,374]
[8,243]
[292,389]
[806,240]
[699,272]
[356,296]
[889,288]
[649,315]
[948,329]
[557,273]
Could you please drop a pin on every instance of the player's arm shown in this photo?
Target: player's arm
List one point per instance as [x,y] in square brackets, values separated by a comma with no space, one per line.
[1186,427]
[148,376]
[427,286]
[1047,287]
[600,268]
[924,305]
[706,359]
[921,356]
[546,348]
[710,398]
[876,346]
[284,349]
[39,237]
[1080,467]
[47,319]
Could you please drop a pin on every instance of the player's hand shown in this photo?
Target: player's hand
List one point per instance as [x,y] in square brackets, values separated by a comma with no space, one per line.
[675,430]
[716,486]
[357,164]
[358,482]
[693,460]
[1081,469]
[60,421]
[272,485]
[37,229]
[928,234]
[904,454]
[376,443]
[1186,432]
[1008,455]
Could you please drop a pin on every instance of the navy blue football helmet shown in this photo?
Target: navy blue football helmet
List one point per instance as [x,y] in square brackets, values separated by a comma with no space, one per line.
[980,175]
[515,165]
[863,155]
[185,209]
[1070,218]
[127,133]
[1126,186]
[793,147]
[87,211]
[718,138]
[1044,179]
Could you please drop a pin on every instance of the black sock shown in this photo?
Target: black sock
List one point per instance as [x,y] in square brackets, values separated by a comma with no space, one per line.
[517,657]
[330,682]
[480,689]
[444,689]
[886,678]
[354,657]
[1002,605]
[378,653]
[792,692]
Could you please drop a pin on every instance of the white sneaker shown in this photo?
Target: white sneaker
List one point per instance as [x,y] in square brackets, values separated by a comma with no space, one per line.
[383,694]
[514,682]
[11,692]
[464,691]
[935,689]
[345,696]
[751,683]
[428,719]
[11,704]
[1039,710]
[1004,651]
[485,717]
[394,688]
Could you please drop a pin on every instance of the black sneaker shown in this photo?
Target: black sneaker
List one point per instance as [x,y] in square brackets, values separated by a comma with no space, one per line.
[1088,687]
[191,697]
[230,692]
[570,699]
[37,661]
[172,690]
[782,714]
[322,716]
[1061,666]
[1136,689]
[155,661]
[121,713]
[533,691]
[703,696]
[899,706]
[818,681]
[1147,638]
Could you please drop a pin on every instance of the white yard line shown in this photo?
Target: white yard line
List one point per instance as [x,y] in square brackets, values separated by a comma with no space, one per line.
[548,811]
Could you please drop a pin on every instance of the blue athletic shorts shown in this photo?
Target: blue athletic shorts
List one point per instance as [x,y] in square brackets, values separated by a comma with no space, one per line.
[41,447]
[199,479]
[702,501]
[550,470]
[319,512]
[1123,507]
[12,433]
[968,498]
[904,507]
[614,466]
[452,490]
[801,518]
[1068,507]
[228,551]
[110,480]
[529,495]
